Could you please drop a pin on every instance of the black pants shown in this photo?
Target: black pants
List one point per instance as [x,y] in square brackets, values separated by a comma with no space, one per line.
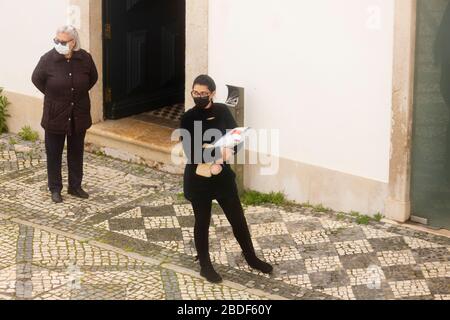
[54,146]
[235,214]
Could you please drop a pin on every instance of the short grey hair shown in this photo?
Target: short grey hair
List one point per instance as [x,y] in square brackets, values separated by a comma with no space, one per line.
[71,30]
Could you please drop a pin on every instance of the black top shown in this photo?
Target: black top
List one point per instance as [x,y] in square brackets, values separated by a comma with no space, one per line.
[197,187]
[66,84]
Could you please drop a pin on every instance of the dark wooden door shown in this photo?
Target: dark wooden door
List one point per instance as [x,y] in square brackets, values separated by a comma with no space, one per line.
[431,135]
[144,55]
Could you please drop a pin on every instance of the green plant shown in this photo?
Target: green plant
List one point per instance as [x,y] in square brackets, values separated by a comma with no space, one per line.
[378,217]
[355,213]
[321,208]
[363,219]
[12,141]
[100,153]
[127,248]
[4,103]
[180,196]
[254,198]
[306,205]
[140,169]
[28,134]
[215,205]
[340,216]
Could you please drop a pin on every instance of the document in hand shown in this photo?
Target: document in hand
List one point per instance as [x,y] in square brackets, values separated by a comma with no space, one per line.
[232,138]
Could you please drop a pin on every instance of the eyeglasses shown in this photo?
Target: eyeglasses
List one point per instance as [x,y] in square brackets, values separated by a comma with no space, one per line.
[57,41]
[197,94]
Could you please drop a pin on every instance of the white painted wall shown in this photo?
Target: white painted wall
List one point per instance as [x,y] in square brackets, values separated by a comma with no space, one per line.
[320,71]
[27,28]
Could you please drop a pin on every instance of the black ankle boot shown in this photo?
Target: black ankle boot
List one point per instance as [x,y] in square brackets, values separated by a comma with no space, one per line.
[210,274]
[56,197]
[207,271]
[249,253]
[78,192]
[256,263]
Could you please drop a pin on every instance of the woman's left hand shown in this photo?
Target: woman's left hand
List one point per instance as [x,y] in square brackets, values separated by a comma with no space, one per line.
[227,154]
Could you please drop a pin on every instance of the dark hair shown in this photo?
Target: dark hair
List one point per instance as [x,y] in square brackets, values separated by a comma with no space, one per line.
[205,80]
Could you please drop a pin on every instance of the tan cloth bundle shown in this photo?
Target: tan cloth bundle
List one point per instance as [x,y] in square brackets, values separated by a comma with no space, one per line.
[204,169]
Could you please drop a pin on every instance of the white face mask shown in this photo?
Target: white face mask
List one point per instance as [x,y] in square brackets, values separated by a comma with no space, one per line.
[62,49]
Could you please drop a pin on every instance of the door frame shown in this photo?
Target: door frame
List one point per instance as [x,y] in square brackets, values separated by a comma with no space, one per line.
[146,101]
[91,35]
[398,204]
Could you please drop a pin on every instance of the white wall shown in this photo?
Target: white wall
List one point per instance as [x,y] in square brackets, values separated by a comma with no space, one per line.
[320,71]
[27,28]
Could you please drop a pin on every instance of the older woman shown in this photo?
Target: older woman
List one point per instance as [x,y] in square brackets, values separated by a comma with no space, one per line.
[65,75]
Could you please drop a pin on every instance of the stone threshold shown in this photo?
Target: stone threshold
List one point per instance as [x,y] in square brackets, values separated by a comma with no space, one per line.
[419,227]
[136,141]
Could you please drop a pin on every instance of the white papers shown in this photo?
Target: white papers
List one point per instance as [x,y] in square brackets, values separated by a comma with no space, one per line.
[232,138]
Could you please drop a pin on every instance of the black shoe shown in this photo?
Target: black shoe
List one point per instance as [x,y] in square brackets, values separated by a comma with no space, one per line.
[56,197]
[207,271]
[210,274]
[256,263]
[79,193]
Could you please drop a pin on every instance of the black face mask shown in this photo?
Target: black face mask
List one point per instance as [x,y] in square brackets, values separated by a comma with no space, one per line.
[202,102]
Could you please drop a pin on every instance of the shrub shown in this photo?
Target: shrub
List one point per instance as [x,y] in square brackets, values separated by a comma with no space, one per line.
[4,103]
[28,134]
[257,198]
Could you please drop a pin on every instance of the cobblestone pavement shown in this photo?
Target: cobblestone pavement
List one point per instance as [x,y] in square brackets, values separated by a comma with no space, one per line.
[40,264]
[133,239]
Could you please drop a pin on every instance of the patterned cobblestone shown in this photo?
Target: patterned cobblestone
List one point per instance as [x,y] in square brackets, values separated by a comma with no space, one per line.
[410,288]
[138,209]
[59,268]
[395,258]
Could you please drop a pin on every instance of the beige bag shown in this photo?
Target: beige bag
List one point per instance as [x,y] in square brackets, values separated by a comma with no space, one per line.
[204,169]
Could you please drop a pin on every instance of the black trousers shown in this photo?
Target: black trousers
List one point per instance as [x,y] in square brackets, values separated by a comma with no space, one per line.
[54,146]
[235,214]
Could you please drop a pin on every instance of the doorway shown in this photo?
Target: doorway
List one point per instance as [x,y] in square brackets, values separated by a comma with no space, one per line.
[430,180]
[144,55]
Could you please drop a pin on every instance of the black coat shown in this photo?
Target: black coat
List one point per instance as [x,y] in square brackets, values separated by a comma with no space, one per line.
[66,84]
[195,186]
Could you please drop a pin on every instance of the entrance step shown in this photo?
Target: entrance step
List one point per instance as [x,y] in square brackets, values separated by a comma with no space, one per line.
[138,142]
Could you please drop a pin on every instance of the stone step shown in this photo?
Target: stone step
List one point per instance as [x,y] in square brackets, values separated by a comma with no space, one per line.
[138,142]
